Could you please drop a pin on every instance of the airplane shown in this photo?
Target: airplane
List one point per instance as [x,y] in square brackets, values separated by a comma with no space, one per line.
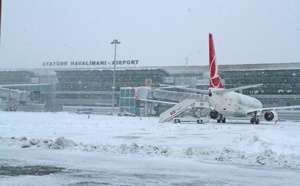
[227,102]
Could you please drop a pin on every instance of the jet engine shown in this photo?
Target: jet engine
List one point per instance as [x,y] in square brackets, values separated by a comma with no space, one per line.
[214,114]
[271,116]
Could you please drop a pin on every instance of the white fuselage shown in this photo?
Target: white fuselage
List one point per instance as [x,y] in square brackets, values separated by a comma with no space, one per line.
[233,103]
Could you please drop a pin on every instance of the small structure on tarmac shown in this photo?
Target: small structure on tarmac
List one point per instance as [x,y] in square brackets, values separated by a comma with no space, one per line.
[197,109]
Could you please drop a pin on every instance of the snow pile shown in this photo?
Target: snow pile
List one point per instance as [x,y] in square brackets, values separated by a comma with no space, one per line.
[62,142]
[257,147]
[23,142]
[264,156]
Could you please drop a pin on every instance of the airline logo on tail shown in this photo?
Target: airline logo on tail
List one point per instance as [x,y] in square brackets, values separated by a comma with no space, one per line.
[215,80]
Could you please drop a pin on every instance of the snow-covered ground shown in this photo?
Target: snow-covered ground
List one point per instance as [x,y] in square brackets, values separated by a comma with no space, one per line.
[114,150]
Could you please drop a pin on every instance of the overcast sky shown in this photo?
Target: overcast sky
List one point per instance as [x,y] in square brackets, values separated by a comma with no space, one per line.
[155,32]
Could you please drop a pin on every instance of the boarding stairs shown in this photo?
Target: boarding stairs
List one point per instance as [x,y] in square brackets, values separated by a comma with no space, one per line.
[180,108]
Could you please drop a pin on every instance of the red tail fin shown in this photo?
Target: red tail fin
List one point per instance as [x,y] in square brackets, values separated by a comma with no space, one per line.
[135,94]
[215,80]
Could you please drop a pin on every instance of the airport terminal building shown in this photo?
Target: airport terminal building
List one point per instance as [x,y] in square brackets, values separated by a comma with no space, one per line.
[61,88]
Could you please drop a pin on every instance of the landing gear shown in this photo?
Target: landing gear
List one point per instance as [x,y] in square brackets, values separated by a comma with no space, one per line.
[176,120]
[255,119]
[221,118]
[200,121]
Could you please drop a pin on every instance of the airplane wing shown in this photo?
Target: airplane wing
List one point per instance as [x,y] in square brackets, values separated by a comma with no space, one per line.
[163,86]
[194,90]
[157,101]
[220,90]
[185,87]
[237,88]
[273,108]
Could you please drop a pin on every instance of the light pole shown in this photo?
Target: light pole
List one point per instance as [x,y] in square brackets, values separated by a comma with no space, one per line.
[114,42]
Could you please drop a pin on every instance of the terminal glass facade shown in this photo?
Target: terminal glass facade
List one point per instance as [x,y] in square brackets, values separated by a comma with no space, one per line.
[94,87]
[128,102]
[274,81]
[16,77]
[101,80]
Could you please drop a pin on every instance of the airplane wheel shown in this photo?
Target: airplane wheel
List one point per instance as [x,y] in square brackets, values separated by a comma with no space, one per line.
[199,121]
[176,121]
[224,120]
[218,120]
[253,121]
